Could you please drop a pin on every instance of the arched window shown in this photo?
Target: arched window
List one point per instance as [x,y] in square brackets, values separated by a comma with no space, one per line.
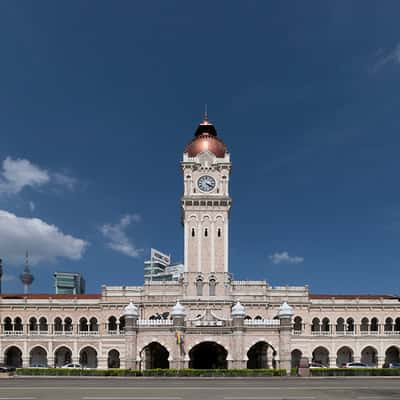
[247,317]
[350,325]
[112,324]
[397,325]
[58,325]
[205,232]
[374,325]
[340,325]
[258,317]
[18,324]
[315,326]
[364,325]
[83,325]
[33,324]
[68,324]
[388,324]
[122,324]
[193,233]
[212,285]
[43,327]
[8,324]
[325,325]
[298,324]
[199,287]
[219,232]
[93,325]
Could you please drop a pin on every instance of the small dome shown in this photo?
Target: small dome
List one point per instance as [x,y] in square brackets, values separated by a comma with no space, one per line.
[238,310]
[206,139]
[178,310]
[285,310]
[130,310]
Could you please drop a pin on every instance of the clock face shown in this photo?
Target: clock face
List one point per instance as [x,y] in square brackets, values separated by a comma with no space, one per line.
[206,183]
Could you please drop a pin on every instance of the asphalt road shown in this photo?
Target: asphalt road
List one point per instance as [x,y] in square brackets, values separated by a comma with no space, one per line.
[199,388]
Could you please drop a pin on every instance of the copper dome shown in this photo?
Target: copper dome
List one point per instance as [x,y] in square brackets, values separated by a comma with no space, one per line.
[206,139]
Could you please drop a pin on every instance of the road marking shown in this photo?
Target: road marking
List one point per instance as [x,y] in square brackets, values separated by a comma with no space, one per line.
[130,398]
[17,398]
[271,398]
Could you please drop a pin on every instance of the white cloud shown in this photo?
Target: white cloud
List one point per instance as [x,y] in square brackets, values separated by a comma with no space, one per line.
[384,58]
[45,242]
[117,237]
[284,258]
[32,206]
[20,173]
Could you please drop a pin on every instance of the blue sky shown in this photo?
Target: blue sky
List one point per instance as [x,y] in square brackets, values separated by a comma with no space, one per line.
[98,99]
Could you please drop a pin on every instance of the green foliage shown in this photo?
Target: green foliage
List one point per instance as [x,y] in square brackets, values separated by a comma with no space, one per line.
[76,372]
[355,372]
[149,372]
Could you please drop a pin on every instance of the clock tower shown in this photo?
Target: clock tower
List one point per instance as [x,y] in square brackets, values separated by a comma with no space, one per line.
[206,203]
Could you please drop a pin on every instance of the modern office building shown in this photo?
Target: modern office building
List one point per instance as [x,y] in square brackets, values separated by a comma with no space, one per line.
[69,283]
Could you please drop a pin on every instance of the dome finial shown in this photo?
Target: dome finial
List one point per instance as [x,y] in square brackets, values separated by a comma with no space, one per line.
[205,119]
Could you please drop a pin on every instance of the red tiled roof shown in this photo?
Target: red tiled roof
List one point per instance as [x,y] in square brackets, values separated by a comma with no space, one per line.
[10,296]
[353,296]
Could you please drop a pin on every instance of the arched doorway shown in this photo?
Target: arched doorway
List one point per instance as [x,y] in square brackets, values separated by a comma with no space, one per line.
[38,357]
[392,356]
[296,357]
[258,356]
[13,357]
[155,356]
[344,356]
[62,356]
[208,355]
[113,360]
[369,356]
[88,357]
[321,355]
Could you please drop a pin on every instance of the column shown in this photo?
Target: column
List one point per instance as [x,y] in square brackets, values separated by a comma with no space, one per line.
[178,316]
[285,315]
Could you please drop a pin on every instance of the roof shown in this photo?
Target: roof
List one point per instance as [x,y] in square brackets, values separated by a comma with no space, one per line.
[353,296]
[34,296]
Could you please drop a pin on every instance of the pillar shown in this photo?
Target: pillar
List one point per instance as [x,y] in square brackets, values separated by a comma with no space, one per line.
[131,328]
[285,315]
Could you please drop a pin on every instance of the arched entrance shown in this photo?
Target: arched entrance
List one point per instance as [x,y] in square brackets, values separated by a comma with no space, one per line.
[258,356]
[296,357]
[113,360]
[13,357]
[155,356]
[344,356]
[369,356]
[392,356]
[38,357]
[62,356]
[88,357]
[208,355]
[321,355]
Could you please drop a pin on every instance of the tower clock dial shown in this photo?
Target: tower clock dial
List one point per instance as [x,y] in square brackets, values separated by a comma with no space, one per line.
[206,183]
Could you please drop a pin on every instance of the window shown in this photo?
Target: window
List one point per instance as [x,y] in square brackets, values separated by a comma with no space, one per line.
[193,234]
[219,232]
[206,232]
[199,287]
[212,284]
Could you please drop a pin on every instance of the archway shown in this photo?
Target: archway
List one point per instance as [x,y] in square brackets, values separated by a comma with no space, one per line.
[38,357]
[344,356]
[13,357]
[392,356]
[155,356]
[258,355]
[369,356]
[88,357]
[321,355]
[62,356]
[208,355]
[296,357]
[113,360]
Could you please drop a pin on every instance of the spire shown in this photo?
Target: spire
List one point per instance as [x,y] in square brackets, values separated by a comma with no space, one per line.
[26,277]
[205,119]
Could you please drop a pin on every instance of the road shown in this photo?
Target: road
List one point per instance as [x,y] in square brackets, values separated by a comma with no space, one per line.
[70,388]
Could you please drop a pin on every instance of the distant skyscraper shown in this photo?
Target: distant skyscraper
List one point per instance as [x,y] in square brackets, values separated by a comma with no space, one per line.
[26,277]
[159,268]
[69,283]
